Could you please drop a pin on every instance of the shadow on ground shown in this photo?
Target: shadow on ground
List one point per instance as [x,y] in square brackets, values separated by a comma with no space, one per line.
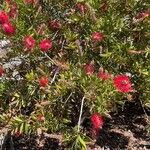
[125,130]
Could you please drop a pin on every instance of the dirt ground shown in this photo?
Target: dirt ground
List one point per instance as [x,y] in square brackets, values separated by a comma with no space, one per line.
[125,130]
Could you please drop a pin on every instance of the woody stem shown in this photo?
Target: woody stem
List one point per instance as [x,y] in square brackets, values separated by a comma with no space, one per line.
[81,110]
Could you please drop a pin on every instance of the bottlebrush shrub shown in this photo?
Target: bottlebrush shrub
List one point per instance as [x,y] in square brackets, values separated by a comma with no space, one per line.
[97,123]
[1,71]
[3,17]
[75,55]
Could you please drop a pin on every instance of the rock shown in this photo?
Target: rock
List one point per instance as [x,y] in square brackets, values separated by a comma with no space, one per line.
[4,48]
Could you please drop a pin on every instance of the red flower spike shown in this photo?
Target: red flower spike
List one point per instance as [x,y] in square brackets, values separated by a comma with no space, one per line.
[122,83]
[55,25]
[17,134]
[29,1]
[104,7]
[29,42]
[97,36]
[96,121]
[13,10]
[94,132]
[40,118]
[82,7]
[8,1]
[45,45]
[2,71]
[142,15]
[4,18]
[8,28]
[89,69]
[103,75]
[43,81]
[13,13]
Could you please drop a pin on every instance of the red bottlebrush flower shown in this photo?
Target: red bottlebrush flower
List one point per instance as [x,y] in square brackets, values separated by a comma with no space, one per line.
[13,13]
[43,81]
[8,28]
[89,69]
[82,7]
[4,18]
[122,83]
[55,25]
[45,45]
[97,36]
[17,134]
[8,1]
[142,15]
[29,42]
[104,7]
[13,10]
[103,75]
[29,1]
[13,6]
[96,121]
[2,71]
[40,118]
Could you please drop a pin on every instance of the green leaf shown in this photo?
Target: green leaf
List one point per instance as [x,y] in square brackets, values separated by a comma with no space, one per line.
[26,127]
[30,76]
[18,119]
[82,142]
[21,127]
[106,55]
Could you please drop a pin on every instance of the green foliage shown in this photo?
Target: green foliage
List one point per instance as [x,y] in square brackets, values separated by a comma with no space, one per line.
[125,48]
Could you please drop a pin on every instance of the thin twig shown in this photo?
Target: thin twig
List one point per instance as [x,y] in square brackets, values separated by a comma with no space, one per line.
[81,110]
[62,45]
[52,61]
[54,77]
[54,35]
[68,97]
[38,11]
[143,108]
[79,47]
